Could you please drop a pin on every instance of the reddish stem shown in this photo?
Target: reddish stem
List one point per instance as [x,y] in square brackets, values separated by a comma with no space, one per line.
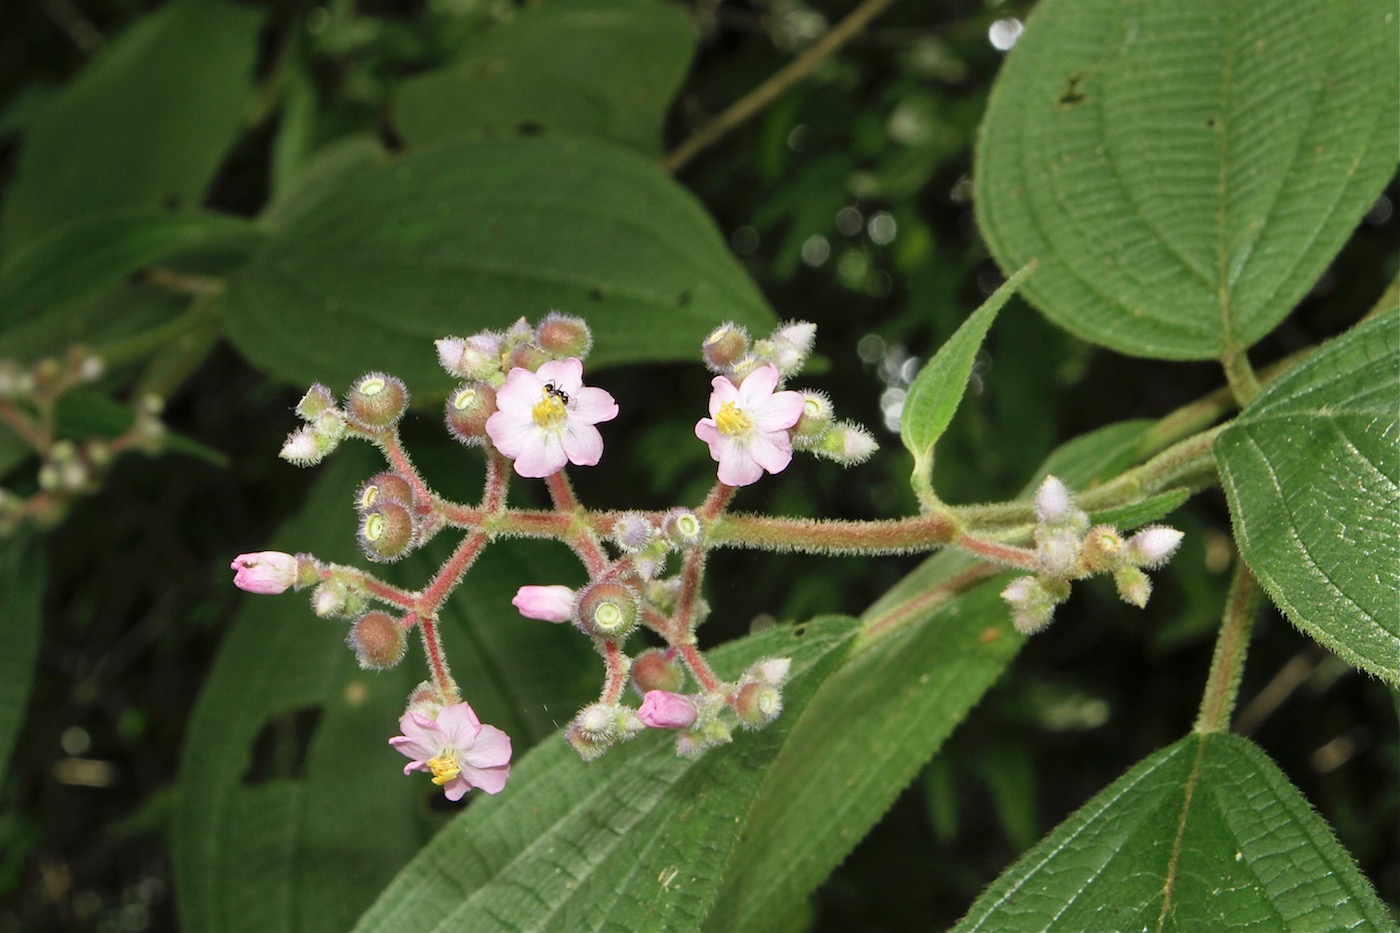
[704,674]
[617,672]
[442,677]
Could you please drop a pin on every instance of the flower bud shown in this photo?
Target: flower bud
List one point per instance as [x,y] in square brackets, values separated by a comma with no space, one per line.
[1032,607]
[467,410]
[650,562]
[317,399]
[597,721]
[724,346]
[656,669]
[1102,549]
[386,531]
[846,443]
[88,367]
[758,704]
[693,743]
[377,400]
[264,572]
[632,532]
[529,356]
[1053,502]
[378,640]
[1153,546]
[588,748]
[1132,585]
[563,336]
[1057,550]
[769,671]
[683,528]
[385,486]
[546,603]
[426,700]
[664,710]
[798,335]
[608,610]
[815,421]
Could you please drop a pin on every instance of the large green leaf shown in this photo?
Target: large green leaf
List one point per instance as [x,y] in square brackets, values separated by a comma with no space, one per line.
[1311,469]
[100,250]
[457,237]
[280,830]
[21,594]
[601,68]
[160,107]
[1186,169]
[634,841]
[1206,834]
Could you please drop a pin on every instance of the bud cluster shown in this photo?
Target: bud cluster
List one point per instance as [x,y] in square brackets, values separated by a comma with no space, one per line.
[1066,549]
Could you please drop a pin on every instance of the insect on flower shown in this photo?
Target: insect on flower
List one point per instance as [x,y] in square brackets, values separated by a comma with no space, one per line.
[551,389]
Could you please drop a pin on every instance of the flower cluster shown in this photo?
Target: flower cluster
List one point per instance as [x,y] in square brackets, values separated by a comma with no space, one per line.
[1066,549]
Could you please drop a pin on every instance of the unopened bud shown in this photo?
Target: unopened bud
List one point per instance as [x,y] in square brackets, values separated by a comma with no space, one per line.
[815,420]
[587,747]
[1057,550]
[1053,502]
[1132,585]
[385,486]
[1031,606]
[317,399]
[528,356]
[769,671]
[664,710]
[847,444]
[1153,546]
[266,573]
[692,743]
[608,610]
[656,669]
[1102,549]
[683,528]
[546,603]
[426,700]
[725,345]
[386,531]
[632,532]
[758,704]
[467,410]
[563,336]
[378,640]
[377,400]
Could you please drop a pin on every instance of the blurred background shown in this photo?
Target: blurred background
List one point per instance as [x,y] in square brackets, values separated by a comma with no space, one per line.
[848,201]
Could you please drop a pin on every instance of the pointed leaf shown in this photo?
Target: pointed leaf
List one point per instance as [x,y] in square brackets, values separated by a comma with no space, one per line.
[22,578]
[1186,169]
[941,384]
[161,105]
[1311,470]
[634,841]
[457,237]
[1206,834]
[606,69]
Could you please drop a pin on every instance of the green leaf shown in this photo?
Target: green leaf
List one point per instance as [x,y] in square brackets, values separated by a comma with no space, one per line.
[293,811]
[861,740]
[1206,834]
[601,68]
[22,577]
[161,105]
[457,237]
[941,384]
[1128,517]
[81,414]
[1186,169]
[96,251]
[634,841]
[1311,470]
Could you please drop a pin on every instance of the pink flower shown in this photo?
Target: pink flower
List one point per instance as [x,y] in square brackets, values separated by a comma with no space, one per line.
[748,426]
[546,603]
[266,572]
[545,419]
[664,710]
[456,749]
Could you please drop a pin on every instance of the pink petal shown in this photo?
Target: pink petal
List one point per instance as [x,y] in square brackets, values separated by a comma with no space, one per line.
[459,725]
[772,452]
[541,455]
[567,375]
[491,750]
[736,467]
[592,405]
[456,788]
[777,412]
[489,780]
[722,391]
[522,388]
[708,431]
[758,385]
[511,430]
[582,443]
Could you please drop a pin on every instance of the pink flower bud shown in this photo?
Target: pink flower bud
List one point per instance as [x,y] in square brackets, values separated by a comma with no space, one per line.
[266,572]
[758,704]
[1153,546]
[378,640]
[546,603]
[1053,502]
[377,400]
[564,335]
[663,710]
[771,670]
[468,409]
[656,669]
[725,344]
[633,531]
[301,448]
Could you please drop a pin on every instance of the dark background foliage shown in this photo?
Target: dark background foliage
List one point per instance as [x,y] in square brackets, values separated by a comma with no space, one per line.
[849,203]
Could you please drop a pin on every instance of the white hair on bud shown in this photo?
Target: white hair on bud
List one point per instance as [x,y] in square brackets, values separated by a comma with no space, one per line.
[1053,502]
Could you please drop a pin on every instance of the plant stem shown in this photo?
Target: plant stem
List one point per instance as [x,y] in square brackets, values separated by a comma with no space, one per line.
[1231,646]
[782,81]
[1244,384]
[919,533]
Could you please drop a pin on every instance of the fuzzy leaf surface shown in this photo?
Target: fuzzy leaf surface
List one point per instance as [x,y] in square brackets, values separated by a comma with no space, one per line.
[606,69]
[1186,169]
[1311,470]
[1206,834]
[473,234]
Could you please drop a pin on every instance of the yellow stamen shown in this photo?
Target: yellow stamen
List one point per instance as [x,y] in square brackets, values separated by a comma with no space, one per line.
[549,412]
[444,768]
[731,420]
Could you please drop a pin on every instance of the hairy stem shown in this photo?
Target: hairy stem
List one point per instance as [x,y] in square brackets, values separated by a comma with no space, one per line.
[1231,646]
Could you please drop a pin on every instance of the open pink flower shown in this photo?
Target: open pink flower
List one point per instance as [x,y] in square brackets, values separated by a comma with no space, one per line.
[456,749]
[748,426]
[266,573]
[546,418]
[546,603]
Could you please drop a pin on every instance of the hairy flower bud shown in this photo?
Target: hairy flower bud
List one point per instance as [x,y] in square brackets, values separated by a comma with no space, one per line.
[467,410]
[1153,546]
[1057,550]
[1132,585]
[769,671]
[758,704]
[386,531]
[1102,549]
[815,422]
[847,443]
[608,610]
[1032,607]
[385,486]
[426,700]
[632,532]
[378,640]
[725,345]
[656,669]
[477,357]
[563,336]
[528,355]
[377,400]
[317,399]
[683,528]
[664,710]
[1053,502]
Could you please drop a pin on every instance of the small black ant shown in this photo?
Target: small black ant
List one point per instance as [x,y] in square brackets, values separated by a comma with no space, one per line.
[549,389]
